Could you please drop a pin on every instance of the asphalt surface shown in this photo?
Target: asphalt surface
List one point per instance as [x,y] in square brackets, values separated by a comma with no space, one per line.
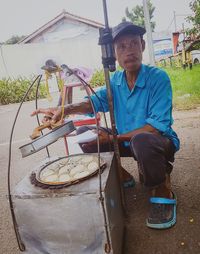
[183,238]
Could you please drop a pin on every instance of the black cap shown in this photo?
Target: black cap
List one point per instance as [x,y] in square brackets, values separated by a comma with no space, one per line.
[127,27]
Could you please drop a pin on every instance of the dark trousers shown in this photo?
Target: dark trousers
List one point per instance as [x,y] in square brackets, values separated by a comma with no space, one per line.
[154,154]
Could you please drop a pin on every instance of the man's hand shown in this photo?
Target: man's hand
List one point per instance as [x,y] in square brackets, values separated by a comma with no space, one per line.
[104,138]
[51,114]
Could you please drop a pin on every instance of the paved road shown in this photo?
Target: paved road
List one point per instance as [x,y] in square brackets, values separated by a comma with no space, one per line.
[184,238]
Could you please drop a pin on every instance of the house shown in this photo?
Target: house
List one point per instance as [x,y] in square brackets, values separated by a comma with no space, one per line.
[67,39]
[64,26]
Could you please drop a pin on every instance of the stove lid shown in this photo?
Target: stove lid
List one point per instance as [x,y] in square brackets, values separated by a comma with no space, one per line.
[47,139]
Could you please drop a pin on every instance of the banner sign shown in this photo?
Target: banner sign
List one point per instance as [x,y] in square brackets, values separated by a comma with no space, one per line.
[163,45]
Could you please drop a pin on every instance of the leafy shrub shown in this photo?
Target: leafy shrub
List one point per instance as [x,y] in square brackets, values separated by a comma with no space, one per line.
[98,78]
[12,91]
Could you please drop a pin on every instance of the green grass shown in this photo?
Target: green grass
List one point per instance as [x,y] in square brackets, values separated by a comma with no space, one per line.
[186,87]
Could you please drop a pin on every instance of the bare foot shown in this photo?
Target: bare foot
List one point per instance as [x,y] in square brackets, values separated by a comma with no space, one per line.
[164,190]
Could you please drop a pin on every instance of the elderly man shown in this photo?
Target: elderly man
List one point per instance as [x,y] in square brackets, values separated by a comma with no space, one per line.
[142,99]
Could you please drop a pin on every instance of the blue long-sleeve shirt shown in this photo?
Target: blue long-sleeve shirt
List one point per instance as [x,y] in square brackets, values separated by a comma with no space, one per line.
[149,102]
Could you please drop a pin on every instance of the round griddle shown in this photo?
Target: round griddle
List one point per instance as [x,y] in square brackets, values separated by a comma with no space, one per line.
[37,180]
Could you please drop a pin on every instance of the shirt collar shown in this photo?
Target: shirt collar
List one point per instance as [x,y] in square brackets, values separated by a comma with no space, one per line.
[140,81]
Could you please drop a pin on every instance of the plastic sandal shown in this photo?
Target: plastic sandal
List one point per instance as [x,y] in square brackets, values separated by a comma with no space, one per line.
[162,213]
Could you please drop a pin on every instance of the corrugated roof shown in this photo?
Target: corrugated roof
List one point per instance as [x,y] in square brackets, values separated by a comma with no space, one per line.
[63,15]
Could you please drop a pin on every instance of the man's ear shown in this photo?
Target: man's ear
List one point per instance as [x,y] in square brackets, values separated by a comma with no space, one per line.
[143,45]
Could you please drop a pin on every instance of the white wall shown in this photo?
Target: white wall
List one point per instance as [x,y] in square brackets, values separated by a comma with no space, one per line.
[26,59]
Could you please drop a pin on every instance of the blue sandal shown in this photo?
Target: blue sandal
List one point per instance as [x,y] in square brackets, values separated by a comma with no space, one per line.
[162,213]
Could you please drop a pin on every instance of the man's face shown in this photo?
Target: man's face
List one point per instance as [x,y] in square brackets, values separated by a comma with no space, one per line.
[128,51]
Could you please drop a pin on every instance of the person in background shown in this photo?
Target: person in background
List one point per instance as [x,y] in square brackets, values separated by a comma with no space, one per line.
[142,97]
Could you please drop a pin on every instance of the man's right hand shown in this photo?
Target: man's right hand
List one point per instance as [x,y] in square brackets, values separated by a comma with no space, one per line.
[51,114]
[54,115]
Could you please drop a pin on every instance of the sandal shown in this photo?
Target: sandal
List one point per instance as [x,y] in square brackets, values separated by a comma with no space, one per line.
[162,213]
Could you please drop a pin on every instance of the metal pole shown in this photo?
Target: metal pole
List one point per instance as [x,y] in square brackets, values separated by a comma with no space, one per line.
[107,53]
[149,32]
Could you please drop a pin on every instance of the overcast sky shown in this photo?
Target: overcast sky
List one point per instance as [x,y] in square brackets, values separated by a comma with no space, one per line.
[22,17]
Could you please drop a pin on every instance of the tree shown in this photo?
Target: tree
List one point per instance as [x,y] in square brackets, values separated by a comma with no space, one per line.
[136,15]
[194,18]
[14,39]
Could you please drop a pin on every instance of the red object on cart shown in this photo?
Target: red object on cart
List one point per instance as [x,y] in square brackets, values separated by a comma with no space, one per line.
[89,121]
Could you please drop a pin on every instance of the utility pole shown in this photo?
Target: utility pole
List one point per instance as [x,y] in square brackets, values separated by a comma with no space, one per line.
[175,26]
[149,32]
